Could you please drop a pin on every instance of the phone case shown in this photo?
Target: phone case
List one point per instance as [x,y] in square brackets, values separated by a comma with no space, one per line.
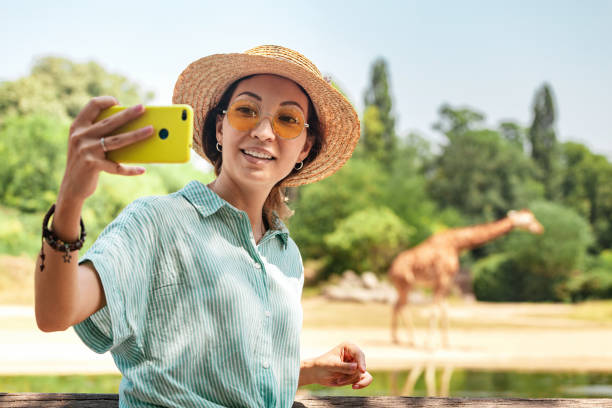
[171,140]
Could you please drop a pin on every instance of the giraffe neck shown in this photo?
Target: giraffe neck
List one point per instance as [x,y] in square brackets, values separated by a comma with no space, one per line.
[471,237]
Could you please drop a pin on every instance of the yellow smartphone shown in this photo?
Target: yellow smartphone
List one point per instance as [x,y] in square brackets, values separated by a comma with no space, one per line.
[171,140]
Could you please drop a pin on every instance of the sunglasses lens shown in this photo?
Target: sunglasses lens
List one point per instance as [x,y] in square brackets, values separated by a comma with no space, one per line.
[243,115]
[288,122]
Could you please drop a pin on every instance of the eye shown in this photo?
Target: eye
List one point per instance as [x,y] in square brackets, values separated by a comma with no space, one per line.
[246,111]
[289,120]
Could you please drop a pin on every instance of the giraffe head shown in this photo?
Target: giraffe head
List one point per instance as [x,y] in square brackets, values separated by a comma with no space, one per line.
[525,220]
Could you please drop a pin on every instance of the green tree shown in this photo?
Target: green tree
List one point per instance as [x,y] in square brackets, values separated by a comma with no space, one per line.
[543,140]
[405,188]
[32,159]
[478,172]
[514,133]
[321,205]
[455,121]
[587,188]
[378,130]
[60,88]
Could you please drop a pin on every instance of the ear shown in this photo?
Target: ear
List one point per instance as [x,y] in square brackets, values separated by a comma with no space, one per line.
[306,149]
[219,129]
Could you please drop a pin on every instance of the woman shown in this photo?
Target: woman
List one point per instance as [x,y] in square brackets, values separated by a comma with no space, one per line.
[197,294]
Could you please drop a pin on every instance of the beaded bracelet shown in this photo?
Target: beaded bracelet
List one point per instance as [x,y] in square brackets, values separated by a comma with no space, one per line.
[56,243]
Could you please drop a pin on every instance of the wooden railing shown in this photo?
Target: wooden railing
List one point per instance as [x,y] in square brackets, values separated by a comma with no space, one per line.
[27,400]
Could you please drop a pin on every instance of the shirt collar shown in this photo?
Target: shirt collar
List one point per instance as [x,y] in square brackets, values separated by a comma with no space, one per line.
[207,202]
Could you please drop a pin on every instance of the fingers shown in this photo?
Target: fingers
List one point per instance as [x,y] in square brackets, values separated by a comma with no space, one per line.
[124,139]
[364,380]
[353,353]
[345,368]
[91,111]
[107,125]
[118,168]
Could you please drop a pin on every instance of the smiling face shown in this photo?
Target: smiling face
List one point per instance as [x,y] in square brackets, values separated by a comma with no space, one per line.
[258,156]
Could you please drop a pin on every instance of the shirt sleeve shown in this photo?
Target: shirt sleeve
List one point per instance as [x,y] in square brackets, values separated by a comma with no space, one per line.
[123,256]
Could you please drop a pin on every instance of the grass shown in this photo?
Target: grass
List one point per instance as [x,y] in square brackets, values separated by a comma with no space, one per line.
[599,311]
[93,384]
[463,383]
[16,280]
[320,313]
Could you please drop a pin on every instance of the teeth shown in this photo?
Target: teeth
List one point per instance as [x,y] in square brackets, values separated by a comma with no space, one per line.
[258,154]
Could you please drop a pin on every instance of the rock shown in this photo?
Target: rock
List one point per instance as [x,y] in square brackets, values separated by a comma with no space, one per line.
[350,279]
[369,280]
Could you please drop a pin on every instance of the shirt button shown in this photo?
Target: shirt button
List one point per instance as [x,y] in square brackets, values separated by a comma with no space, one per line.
[268,313]
[256,265]
[266,364]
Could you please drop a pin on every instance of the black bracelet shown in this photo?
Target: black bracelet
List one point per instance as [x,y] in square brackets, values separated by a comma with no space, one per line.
[56,243]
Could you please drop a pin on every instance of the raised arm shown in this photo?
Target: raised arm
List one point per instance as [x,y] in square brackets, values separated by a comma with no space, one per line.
[67,293]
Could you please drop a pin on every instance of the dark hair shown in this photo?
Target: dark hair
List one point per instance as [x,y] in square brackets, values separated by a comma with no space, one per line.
[275,203]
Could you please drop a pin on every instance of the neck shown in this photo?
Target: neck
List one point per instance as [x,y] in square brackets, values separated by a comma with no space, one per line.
[249,200]
[471,237]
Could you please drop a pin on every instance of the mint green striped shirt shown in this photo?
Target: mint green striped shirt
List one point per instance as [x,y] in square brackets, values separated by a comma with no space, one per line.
[197,314]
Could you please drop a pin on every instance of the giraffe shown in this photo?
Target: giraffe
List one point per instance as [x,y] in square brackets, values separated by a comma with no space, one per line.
[435,262]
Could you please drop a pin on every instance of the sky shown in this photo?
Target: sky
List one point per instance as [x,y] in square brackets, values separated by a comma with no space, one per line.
[490,56]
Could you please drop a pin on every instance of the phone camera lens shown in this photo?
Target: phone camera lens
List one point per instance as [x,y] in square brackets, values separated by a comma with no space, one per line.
[163,134]
[184,116]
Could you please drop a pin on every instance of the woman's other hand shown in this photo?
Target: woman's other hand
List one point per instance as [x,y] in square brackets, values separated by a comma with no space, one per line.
[342,365]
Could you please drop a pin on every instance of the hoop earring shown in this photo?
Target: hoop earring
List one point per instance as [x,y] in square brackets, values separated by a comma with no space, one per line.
[299,166]
[219,147]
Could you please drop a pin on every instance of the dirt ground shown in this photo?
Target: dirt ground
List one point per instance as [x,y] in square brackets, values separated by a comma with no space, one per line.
[543,337]
[485,336]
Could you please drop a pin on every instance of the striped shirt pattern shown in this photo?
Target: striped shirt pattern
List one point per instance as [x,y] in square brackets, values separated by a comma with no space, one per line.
[197,314]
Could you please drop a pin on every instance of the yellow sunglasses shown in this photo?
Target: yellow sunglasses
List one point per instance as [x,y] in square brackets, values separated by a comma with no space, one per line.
[287,121]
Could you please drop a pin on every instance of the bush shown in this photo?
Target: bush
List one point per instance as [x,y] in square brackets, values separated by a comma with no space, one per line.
[491,283]
[20,232]
[596,282]
[367,240]
[536,267]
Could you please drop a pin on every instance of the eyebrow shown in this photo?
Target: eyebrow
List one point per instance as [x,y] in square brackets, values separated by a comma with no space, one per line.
[253,95]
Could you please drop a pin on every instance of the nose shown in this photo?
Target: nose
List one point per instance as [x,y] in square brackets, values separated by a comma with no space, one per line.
[264,131]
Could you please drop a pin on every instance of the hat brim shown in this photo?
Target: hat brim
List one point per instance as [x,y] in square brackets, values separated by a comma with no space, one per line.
[204,81]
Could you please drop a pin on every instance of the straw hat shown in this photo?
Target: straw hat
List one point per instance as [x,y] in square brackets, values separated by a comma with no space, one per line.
[204,81]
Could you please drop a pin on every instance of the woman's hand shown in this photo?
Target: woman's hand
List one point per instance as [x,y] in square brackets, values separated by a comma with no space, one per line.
[86,154]
[342,365]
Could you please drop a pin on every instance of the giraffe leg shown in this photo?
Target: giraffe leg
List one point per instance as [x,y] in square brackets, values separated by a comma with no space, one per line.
[445,381]
[401,301]
[433,324]
[445,323]
[415,373]
[407,317]
[399,312]
[430,379]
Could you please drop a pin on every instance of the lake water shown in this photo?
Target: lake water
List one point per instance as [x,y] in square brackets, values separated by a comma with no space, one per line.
[481,384]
